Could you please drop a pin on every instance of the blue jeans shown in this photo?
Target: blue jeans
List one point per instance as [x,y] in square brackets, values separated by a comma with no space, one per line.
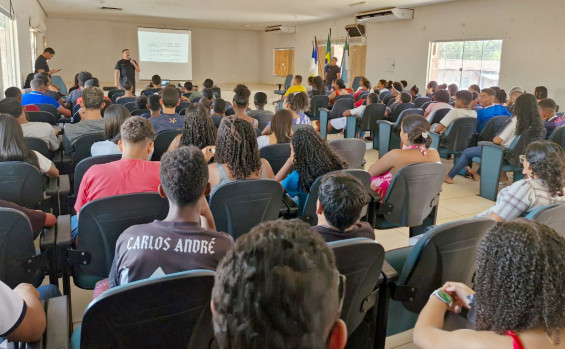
[74,227]
[464,160]
[48,291]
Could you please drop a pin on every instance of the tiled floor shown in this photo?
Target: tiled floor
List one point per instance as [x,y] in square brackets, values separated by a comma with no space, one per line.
[457,201]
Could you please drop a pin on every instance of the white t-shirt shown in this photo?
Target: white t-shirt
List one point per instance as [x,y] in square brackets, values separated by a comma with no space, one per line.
[431,109]
[104,148]
[455,114]
[508,133]
[263,141]
[340,123]
[44,163]
[13,310]
[43,131]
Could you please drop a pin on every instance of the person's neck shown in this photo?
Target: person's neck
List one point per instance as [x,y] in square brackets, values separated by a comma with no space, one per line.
[92,114]
[38,91]
[240,112]
[134,154]
[186,214]
[489,105]
[324,222]
[22,119]
[155,113]
[260,107]
[129,94]
[168,110]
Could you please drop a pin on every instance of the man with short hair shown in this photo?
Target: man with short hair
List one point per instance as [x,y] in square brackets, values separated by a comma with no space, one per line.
[515,92]
[154,105]
[40,130]
[91,121]
[296,87]
[551,121]
[128,87]
[41,65]
[179,242]
[279,267]
[462,109]
[134,173]
[94,82]
[155,86]
[489,110]
[332,72]
[383,91]
[208,83]
[500,96]
[169,119]
[82,78]
[340,201]
[125,70]
[193,90]
[260,100]
[15,92]
[37,96]
[218,108]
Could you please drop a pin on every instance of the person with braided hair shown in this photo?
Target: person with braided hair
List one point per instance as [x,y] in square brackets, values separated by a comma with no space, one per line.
[518,297]
[199,130]
[236,154]
[544,167]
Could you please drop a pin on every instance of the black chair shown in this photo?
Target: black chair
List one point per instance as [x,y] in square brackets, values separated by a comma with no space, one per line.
[182,112]
[101,223]
[175,314]
[445,253]
[552,215]
[351,150]
[113,94]
[456,137]
[39,146]
[412,198]
[360,260]
[317,102]
[263,120]
[197,99]
[369,122]
[390,102]
[21,183]
[439,115]
[140,112]
[20,263]
[258,132]
[339,107]
[130,106]
[356,83]
[389,133]
[240,205]
[425,105]
[85,164]
[395,114]
[162,142]
[420,101]
[41,116]
[558,136]
[387,99]
[337,98]
[493,127]
[384,94]
[124,100]
[83,145]
[48,108]
[276,155]
[182,105]
[287,82]
[217,120]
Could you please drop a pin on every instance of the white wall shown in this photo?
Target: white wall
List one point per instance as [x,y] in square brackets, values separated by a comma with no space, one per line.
[532,52]
[96,46]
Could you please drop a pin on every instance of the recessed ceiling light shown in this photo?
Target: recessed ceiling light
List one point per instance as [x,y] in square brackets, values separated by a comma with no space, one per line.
[106,8]
[361,3]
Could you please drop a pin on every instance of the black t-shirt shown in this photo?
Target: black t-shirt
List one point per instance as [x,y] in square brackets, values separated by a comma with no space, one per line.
[127,71]
[160,248]
[332,72]
[148,92]
[359,230]
[41,63]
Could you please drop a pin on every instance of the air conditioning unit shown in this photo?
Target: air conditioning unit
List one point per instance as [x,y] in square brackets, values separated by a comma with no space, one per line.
[385,15]
[280,29]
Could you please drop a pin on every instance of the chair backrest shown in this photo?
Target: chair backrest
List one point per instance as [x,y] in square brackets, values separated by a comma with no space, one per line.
[348,96]
[48,108]
[125,100]
[57,80]
[340,106]
[16,247]
[552,215]
[140,112]
[456,137]
[363,95]
[276,155]
[351,150]
[558,136]
[196,99]
[21,184]
[38,145]
[101,223]
[41,116]
[317,102]
[287,81]
[131,106]
[115,95]
[162,142]
[399,109]
[361,261]
[182,105]
[419,102]
[406,112]
[175,314]
[85,164]
[263,120]
[83,145]
[493,126]
[413,193]
[425,105]
[309,210]
[373,113]
[438,115]
[356,83]
[240,205]
[518,147]
[387,99]
[445,253]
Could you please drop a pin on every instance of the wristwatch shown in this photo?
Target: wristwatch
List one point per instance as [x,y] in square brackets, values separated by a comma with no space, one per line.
[443,296]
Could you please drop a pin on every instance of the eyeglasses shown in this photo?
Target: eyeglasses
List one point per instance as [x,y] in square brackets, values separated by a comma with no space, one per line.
[522,158]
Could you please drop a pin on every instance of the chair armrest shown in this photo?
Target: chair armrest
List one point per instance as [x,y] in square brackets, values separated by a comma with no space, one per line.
[64,184]
[280,86]
[47,238]
[58,323]
[289,209]
[324,109]
[324,116]
[491,144]
[389,273]
[63,231]
[436,138]
[381,122]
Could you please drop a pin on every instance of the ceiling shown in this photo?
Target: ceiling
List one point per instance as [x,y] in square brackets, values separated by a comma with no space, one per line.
[240,14]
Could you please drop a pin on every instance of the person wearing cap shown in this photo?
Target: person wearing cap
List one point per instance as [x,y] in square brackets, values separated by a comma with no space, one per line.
[515,92]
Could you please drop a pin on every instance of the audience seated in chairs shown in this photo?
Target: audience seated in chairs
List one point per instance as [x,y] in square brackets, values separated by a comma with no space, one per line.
[154,106]
[318,88]
[500,97]
[340,201]
[441,98]
[414,92]
[392,113]
[199,130]
[129,88]
[364,86]
[141,102]
[280,129]
[155,86]
[297,103]
[41,130]
[461,109]
[308,164]
[37,218]
[13,147]
[381,90]
[91,121]
[241,103]
[113,119]
[37,96]
[551,121]
[14,92]
[339,89]
[279,263]
[515,92]
[134,173]
[526,116]
[489,109]
[168,119]
[518,286]
[296,86]
[236,154]
[416,141]
[179,242]
[431,89]
[260,100]
[73,96]
[339,123]
[544,167]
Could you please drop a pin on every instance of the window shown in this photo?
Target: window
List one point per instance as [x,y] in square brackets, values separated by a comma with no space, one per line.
[283,62]
[8,51]
[33,33]
[465,62]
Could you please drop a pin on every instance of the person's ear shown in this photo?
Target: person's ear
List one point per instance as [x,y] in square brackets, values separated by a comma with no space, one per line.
[208,189]
[338,339]
[212,306]
[150,147]
[161,192]
[120,146]
[319,207]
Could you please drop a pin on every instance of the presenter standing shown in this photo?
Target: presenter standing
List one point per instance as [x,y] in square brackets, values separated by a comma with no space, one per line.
[125,70]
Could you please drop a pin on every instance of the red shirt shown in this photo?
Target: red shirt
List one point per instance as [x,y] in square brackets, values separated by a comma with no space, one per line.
[31,107]
[126,176]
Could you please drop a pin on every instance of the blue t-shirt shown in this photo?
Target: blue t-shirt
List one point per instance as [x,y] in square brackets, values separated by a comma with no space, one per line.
[290,184]
[166,122]
[35,97]
[485,114]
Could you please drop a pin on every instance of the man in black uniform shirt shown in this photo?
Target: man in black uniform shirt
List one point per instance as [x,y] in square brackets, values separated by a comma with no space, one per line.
[333,71]
[41,65]
[125,70]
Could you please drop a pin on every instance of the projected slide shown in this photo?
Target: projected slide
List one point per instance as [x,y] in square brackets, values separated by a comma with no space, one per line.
[165,52]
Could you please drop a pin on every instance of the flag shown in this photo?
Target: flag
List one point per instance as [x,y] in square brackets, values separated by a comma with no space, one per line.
[345,61]
[328,51]
[314,59]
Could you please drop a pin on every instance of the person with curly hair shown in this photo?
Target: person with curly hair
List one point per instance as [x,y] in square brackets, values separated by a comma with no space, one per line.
[279,287]
[526,116]
[518,298]
[241,103]
[544,167]
[311,157]
[281,129]
[297,103]
[199,130]
[236,155]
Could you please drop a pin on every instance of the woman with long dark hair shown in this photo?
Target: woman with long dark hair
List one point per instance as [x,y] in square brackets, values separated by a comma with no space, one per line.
[114,117]
[318,88]
[281,129]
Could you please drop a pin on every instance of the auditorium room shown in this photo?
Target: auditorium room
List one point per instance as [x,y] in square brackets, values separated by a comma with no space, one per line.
[384,174]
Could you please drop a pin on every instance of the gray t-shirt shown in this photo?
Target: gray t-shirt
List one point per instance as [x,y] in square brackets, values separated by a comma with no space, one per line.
[43,131]
[85,127]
